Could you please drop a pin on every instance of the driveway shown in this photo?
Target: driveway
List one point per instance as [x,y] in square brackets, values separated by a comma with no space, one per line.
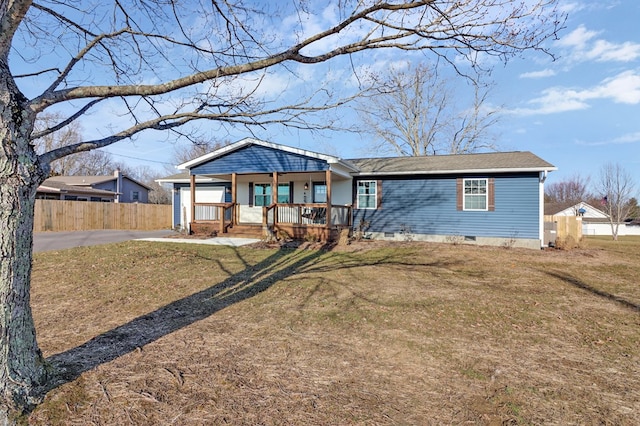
[46,241]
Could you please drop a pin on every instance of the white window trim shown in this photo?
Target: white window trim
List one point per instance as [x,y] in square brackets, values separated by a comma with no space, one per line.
[486,195]
[375,194]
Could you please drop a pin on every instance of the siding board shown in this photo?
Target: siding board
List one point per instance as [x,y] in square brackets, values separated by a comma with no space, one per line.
[259,159]
[429,206]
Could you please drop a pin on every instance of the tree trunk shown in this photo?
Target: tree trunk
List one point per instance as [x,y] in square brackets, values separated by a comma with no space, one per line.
[22,368]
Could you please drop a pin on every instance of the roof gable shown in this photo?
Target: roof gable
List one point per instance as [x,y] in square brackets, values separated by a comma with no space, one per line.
[259,159]
[570,209]
[288,157]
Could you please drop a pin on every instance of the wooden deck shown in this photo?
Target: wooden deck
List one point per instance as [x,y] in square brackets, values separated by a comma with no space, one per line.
[296,221]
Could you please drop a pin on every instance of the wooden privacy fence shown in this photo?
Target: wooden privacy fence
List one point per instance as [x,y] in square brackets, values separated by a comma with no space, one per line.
[55,215]
[569,228]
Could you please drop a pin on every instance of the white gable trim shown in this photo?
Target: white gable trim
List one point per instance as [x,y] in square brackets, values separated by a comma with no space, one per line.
[590,211]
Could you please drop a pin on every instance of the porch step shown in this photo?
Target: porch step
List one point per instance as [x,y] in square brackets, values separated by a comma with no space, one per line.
[245,231]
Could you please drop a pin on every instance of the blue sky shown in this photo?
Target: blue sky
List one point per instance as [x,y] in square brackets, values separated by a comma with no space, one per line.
[577,112]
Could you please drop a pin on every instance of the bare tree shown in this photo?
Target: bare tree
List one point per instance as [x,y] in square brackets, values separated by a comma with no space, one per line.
[86,163]
[158,194]
[196,149]
[571,191]
[162,65]
[616,186]
[414,112]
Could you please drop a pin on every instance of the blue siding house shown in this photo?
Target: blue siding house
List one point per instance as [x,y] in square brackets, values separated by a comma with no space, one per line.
[254,186]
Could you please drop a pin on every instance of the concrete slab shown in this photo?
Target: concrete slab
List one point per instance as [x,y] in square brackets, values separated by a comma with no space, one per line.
[217,241]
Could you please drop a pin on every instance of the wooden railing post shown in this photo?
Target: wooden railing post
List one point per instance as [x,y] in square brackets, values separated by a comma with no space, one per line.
[328,219]
[234,201]
[193,199]
[221,210]
[274,197]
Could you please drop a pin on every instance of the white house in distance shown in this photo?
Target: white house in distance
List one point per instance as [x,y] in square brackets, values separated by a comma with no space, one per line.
[594,221]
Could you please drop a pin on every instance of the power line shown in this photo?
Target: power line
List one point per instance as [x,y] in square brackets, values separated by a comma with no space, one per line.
[140,159]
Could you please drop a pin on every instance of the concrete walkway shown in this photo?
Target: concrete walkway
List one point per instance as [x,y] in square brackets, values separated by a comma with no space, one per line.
[217,241]
[48,241]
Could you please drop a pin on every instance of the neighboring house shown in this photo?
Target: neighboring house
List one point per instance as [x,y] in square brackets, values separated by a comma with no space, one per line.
[117,188]
[594,221]
[581,209]
[55,190]
[493,198]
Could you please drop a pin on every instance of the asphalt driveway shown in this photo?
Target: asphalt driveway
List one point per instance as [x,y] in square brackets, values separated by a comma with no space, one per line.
[47,241]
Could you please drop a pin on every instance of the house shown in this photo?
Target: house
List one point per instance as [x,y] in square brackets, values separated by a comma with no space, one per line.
[116,188]
[594,221]
[252,185]
[581,209]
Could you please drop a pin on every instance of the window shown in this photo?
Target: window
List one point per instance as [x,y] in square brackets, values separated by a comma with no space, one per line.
[135,196]
[367,194]
[475,194]
[262,194]
[319,192]
[283,193]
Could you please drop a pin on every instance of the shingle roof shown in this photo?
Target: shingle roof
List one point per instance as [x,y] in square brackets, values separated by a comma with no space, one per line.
[55,186]
[82,180]
[92,180]
[488,162]
[185,177]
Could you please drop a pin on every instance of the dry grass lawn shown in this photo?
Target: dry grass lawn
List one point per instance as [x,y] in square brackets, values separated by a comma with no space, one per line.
[369,334]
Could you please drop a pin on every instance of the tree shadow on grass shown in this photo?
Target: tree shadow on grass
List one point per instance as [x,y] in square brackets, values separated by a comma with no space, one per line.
[181,313]
[584,286]
[254,279]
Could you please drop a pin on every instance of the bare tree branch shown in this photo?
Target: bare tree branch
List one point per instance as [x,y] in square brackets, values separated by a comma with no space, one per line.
[414,113]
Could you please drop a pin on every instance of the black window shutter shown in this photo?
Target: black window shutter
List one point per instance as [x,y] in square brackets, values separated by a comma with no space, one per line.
[291,192]
[250,194]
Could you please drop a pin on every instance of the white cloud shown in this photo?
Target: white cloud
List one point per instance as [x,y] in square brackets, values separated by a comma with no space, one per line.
[628,138]
[583,45]
[603,51]
[538,74]
[577,38]
[572,7]
[623,88]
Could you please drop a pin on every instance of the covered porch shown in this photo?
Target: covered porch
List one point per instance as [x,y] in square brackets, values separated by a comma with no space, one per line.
[282,204]
[261,189]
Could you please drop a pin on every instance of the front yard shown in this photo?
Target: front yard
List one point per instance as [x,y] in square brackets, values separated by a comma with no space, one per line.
[404,333]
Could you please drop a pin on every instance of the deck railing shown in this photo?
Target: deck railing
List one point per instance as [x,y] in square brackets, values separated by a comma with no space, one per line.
[224,213]
[311,214]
